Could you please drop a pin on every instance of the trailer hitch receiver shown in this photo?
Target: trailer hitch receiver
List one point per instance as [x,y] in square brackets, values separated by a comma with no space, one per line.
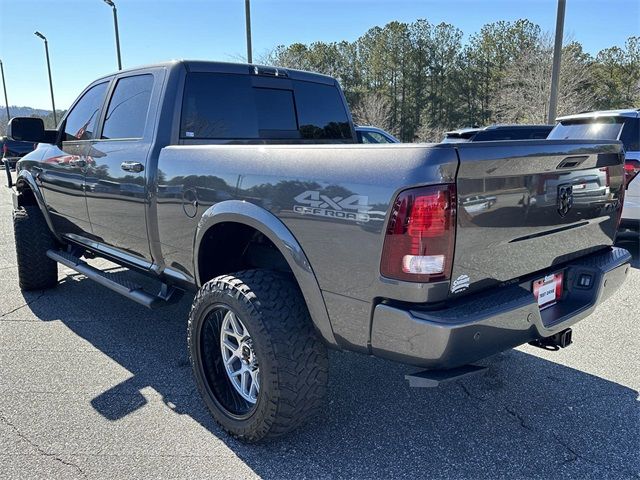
[555,342]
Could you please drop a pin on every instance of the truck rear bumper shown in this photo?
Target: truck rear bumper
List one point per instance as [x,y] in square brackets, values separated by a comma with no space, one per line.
[495,320]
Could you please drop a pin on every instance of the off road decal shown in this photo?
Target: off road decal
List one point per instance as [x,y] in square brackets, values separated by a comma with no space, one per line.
[353,208]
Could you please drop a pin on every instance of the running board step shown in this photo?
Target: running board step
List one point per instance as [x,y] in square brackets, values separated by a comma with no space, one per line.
[116,282]
[433,378]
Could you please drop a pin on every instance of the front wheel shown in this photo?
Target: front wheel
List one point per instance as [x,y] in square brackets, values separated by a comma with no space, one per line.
[33,238]
[258,363]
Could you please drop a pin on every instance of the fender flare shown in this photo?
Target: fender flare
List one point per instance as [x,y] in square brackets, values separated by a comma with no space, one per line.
[237,211]
[26,177]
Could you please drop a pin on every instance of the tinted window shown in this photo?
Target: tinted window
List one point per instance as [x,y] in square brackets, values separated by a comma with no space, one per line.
[540,133]
[511,134]
[275,110]
[631,134]
[228,106]
[128,107]
[81,121]
[607,128]
[218,107]
[321,113]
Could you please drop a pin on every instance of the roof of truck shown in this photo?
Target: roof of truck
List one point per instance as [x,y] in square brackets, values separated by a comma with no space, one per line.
[237,68]
[626,112]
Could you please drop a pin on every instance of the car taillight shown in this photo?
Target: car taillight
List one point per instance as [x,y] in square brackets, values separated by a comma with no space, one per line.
[418,245]
[631,169]
[5,150]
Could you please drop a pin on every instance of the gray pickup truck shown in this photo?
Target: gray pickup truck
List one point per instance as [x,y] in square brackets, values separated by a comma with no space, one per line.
[246,185]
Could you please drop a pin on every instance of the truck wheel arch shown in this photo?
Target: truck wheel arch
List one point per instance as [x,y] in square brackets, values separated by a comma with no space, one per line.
[30,194]
[263,221]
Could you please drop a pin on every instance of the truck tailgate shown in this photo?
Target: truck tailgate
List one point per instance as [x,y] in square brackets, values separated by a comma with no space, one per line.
[524,206]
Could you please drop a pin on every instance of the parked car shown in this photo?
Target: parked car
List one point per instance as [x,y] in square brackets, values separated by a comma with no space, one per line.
[252,194]
[13,150]
[498,132]
[478,203]
[622,125]
[369,134]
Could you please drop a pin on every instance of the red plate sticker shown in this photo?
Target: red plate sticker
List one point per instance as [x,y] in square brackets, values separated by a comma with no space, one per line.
[548,290]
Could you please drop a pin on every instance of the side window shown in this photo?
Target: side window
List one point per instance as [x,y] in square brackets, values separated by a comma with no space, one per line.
[81,121]
[128,108]
[379,138]
[373,137]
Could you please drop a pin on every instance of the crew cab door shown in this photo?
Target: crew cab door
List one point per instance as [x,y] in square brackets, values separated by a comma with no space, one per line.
[62,170]
[116,179]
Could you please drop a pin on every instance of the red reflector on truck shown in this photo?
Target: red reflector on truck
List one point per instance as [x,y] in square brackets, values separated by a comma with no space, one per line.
[418,245]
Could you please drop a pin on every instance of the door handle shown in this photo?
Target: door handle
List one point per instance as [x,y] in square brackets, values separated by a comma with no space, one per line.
[135,167]
[79,162]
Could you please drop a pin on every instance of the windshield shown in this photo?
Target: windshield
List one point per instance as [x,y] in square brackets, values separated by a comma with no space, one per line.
[603,128]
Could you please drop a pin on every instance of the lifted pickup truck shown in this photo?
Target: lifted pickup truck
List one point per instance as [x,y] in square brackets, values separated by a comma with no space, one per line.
[246,185]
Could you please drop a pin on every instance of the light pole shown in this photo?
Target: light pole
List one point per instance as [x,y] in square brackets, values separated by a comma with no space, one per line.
[46,50]
[4,85]
[115,26]
[557,54]
[247,11]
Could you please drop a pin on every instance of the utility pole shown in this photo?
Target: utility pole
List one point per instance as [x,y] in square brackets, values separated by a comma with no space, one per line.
[115,26]
[557,56]
[247,11]
[4,86]
[46,50]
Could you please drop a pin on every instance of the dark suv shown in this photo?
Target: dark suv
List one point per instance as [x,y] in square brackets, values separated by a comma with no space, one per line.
[498,132]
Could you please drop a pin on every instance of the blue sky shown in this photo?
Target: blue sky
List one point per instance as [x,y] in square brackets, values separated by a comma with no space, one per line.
[81,40]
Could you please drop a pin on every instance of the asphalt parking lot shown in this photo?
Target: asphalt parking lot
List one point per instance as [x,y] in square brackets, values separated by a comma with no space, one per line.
[94,386]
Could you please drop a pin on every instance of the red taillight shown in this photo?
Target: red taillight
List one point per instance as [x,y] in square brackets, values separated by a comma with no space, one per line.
[5,150]
[631,169]
[418,246]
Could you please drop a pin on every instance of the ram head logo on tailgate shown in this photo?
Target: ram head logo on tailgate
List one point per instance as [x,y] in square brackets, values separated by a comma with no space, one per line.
[565,199]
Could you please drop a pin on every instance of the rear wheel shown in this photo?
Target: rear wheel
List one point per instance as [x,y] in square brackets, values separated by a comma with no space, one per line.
[258,363]
[33,238]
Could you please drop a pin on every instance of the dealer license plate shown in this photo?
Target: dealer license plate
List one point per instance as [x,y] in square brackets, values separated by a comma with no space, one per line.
[548,290]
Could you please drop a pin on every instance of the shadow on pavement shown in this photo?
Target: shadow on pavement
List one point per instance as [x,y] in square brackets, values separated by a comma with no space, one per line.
[525,417]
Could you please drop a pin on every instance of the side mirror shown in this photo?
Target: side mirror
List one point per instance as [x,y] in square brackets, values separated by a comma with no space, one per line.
[30,129]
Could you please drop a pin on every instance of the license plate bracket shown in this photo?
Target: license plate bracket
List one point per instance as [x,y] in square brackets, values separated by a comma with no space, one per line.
[548,289]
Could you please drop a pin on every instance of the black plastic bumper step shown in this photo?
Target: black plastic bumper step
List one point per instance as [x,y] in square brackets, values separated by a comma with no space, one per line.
[433,378]
[115,281]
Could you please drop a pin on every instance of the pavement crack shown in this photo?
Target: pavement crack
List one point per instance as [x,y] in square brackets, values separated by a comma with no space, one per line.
[574,455]
[26,304]
[38,448]
[469,394]
[520,418]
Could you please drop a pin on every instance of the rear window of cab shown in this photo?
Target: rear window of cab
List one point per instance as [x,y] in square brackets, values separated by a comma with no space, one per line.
[219,106]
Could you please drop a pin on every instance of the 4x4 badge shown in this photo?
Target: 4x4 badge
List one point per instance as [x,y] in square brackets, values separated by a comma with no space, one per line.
[565,199]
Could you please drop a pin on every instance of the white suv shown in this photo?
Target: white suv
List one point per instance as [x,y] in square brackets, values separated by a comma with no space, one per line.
[623,125]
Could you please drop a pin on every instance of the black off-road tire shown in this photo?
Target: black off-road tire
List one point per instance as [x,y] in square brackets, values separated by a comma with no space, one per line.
[292,358]
[33,238]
